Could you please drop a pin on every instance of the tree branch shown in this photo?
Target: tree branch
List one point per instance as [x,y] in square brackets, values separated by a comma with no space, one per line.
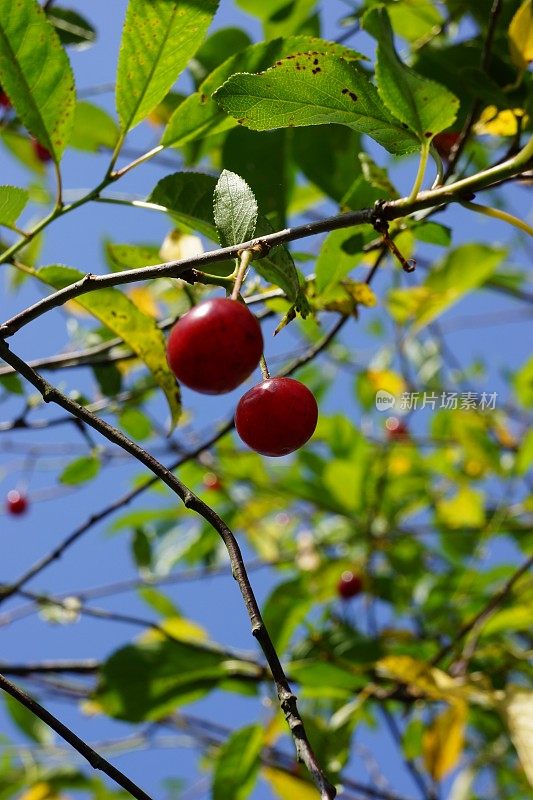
[192,502]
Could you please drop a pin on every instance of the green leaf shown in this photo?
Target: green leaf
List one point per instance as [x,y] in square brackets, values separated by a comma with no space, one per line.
[36,74]
[28,723]
[147,681]
[237,764]
[199,115]
[141,549]
[73,29]
[12,383]
[465,509]
[341,251]
[80,470]
[131,256]
[234,208]
[122,316]
[425,106]
[308,89]
[284,610]
[216,49]
[12,203]
[523,384]
[136,424]
[462,270]
[93,129]
[278,267]
[188,196]
[158,39]
[338,165]
[433,233]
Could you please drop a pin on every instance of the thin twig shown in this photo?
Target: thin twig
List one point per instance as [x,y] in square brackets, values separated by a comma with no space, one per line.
[192,502]
[95,760]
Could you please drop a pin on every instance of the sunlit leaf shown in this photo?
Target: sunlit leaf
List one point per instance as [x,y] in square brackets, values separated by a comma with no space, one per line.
[12,203]
[237,764]
[287,787]
[158,39]
[81,470]
[36,74]
[517,710]
[521,35]
[443,741]
[235,209]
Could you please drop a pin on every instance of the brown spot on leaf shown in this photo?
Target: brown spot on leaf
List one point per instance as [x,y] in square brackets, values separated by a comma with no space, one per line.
[345,91]
[353,96]
[428,134]
[316,70]
[315,61]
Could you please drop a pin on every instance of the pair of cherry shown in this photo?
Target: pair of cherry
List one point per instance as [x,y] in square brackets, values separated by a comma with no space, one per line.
[217,345]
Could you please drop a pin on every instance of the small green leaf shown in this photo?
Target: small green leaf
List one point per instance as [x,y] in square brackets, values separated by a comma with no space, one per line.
[234,208]
[433,233]
[80,470]
[73,29]
[188,196]
[27,722]
[12,203]
[147,681]
[461,271]
[237,764]
[523,383]
[464,510]
[425,106]
[93,128]
[36,74]
[141,549]
[158,39]
[278,267]
[122,316]
[308,89]
[341,251]
[284,610]
[11,383]
[136,424]
[131,256]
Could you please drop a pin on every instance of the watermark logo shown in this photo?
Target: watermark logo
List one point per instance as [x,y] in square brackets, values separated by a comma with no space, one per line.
[384,400]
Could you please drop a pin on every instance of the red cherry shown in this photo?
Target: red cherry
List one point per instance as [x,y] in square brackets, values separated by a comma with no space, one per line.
[41,152]
[212,482]
[349,585]
[396,428]
[16,502]
[214,347]
[444,142]
[277,416]
[5,102]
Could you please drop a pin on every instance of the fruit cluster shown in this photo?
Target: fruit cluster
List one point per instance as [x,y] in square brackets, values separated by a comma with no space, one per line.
[217,345]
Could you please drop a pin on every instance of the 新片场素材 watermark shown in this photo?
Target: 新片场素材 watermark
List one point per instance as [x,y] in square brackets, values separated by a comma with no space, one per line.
[417,401]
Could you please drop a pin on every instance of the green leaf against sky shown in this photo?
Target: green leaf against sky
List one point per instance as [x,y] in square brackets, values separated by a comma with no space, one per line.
[341,251]
[93,128]
[199,115]
[234,208]
[122,316]
[237,764]
[313,89]
[81,470]
[425,106]
[36,74]
[158,39]
[12,203]
[462,270]
[72,28]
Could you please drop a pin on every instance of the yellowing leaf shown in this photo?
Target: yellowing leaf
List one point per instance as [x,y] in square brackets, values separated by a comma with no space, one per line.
[521,35]
[40,791]
[464,510]
[144,300]
[288,787]
[178,628]
[386,380]
[500,123]
[427,680]
[517,709]
[178,245]
[442,742]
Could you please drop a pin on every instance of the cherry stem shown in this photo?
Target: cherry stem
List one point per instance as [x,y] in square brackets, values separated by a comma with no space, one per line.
[246,257]
[264,368]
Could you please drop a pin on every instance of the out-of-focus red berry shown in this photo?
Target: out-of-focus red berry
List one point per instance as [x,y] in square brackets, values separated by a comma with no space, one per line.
[396,428]
[16,502]
[5,102]
[41,152]
[349,585]
[212,481]
[444,142]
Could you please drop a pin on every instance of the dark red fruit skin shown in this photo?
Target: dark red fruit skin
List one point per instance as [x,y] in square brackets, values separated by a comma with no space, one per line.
[396,429]
[444,142]
[41,152]
[349,585]
[212,482]
[277,416]
[16,503]
[5,102]
[214,347]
